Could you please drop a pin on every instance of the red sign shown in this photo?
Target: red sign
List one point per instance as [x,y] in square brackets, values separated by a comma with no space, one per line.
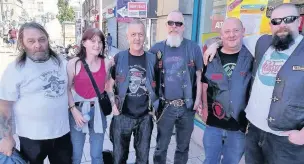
[217,22]
[126,19]
[138,6]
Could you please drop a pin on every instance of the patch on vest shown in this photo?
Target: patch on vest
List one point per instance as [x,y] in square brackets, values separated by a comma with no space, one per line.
[218,110]
[297,68]
[217,76]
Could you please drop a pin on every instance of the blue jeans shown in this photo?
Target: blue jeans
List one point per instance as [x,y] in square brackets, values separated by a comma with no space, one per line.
[15,158]
[263,147]
[183,119]
[96,140]
[218,142]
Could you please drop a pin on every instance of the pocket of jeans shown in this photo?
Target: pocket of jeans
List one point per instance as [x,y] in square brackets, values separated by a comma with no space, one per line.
[290,143]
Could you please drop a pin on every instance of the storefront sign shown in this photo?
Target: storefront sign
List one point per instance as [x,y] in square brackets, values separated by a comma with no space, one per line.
[122,10]
[137,9]
[217,22]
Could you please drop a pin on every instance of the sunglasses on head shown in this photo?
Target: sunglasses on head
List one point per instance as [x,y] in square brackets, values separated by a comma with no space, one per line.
[287,20]
[177,24]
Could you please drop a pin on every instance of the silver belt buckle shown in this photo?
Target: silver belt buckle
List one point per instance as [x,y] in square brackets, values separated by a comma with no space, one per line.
[177,103]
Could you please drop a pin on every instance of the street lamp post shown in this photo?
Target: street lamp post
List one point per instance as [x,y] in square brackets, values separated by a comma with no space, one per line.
[80,17]
[100,14]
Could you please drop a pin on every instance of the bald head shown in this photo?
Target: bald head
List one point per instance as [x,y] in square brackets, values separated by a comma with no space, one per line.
[285,9]
[232,33]
[177,15]
[232,21]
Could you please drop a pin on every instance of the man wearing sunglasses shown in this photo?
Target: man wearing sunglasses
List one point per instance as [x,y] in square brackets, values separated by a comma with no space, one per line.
[179,88]
[276,108]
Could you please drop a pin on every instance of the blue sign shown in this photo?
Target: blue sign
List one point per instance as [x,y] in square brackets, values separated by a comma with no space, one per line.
[122,8]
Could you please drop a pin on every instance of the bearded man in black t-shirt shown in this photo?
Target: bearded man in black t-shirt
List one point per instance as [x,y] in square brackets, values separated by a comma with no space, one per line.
[225,95]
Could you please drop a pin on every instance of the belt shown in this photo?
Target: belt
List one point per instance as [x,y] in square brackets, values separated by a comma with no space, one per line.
[79,104]
[175,103]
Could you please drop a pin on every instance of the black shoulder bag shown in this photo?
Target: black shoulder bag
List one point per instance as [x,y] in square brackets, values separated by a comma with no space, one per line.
[103,99]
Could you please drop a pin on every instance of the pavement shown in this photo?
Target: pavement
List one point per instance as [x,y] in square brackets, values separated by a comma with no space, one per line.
[196,152]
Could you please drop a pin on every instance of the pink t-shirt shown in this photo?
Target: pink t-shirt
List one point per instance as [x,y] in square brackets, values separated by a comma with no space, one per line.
[83,85]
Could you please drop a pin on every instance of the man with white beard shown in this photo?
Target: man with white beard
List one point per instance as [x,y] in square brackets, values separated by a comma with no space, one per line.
[178,86]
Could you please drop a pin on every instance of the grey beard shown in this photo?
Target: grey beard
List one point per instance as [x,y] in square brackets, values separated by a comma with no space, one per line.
[39,59]
[174,41]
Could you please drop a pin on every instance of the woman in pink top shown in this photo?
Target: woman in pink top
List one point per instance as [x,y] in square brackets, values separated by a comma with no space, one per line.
[86,115]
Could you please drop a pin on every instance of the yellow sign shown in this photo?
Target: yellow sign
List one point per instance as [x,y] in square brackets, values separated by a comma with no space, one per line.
[252,13]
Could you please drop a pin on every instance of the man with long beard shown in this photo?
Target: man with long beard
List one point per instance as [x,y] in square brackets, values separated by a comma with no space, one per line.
[34,86]
[179,88]
[276,108]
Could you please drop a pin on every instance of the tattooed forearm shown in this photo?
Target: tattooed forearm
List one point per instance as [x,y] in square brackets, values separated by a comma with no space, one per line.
[111,97]
[6,124]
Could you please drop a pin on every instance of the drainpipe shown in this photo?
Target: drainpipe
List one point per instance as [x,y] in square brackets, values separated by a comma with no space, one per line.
[195,20]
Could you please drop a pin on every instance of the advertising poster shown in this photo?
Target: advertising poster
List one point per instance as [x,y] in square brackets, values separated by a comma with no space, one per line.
[137,9]
[252,13]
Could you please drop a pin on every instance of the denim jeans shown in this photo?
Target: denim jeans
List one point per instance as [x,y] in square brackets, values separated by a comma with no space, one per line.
[219,142]
[121,130]
[183,119]
[15,158]
[267,148]
[96,140]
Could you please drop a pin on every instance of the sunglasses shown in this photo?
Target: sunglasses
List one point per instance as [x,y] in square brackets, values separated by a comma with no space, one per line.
[287,20]
[177,24]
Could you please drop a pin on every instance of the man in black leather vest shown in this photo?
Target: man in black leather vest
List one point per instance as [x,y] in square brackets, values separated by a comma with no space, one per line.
[179,88]
[226,83]
[133,76]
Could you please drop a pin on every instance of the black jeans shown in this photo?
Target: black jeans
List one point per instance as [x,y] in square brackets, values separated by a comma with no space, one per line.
[183,119]
[58,150]
[121,130]
[267,148]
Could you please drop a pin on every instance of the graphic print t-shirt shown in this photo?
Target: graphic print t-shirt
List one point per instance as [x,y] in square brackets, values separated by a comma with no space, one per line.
[39,91]
[229,62]
[136,102]
[175,62]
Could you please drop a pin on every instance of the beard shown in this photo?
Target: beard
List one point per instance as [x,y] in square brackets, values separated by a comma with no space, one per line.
[281,43]
[174,40]
[38,57]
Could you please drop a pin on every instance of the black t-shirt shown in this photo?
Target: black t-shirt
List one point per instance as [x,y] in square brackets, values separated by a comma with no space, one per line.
[229,62]
[136,101]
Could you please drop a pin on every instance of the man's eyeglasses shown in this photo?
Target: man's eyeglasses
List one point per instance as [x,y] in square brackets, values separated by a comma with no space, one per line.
[177,24]
[287,20]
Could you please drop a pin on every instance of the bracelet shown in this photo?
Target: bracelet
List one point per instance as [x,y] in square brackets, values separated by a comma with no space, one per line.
[71,107]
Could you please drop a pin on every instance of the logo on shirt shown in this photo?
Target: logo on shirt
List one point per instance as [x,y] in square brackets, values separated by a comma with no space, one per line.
[137,85]
[54,84]
[229,67]
[270,66]
[174,66]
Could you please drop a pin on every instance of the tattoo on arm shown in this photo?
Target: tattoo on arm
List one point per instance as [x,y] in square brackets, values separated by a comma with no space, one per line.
[6,125]
[111,97]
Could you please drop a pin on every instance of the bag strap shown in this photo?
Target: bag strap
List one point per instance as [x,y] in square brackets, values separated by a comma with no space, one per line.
[86,67]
